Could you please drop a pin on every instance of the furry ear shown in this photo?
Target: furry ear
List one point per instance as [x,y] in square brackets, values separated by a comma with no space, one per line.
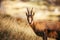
[26,14]
[33,13]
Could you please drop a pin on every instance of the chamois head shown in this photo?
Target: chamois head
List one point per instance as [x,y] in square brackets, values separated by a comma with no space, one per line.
[30,15]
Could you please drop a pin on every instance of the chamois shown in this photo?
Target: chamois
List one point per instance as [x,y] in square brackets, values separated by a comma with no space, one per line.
[35,25]
[43,28]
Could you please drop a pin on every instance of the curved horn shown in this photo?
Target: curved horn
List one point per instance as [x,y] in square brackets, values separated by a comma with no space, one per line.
[31,10]
[27,10]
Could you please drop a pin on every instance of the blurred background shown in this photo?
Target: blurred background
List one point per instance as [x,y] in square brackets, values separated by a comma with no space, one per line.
[10,29]
[18,7]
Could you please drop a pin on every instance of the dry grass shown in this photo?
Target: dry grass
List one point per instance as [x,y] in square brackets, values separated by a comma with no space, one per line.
[13,29]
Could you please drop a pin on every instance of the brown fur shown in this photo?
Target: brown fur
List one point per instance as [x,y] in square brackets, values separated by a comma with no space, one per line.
[44,26]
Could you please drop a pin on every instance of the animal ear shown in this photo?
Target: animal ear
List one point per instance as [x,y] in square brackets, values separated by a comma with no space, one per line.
[33,13]
[26,14]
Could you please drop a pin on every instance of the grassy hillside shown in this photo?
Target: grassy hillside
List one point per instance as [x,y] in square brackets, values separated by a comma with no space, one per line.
[13,23]
[13,29]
